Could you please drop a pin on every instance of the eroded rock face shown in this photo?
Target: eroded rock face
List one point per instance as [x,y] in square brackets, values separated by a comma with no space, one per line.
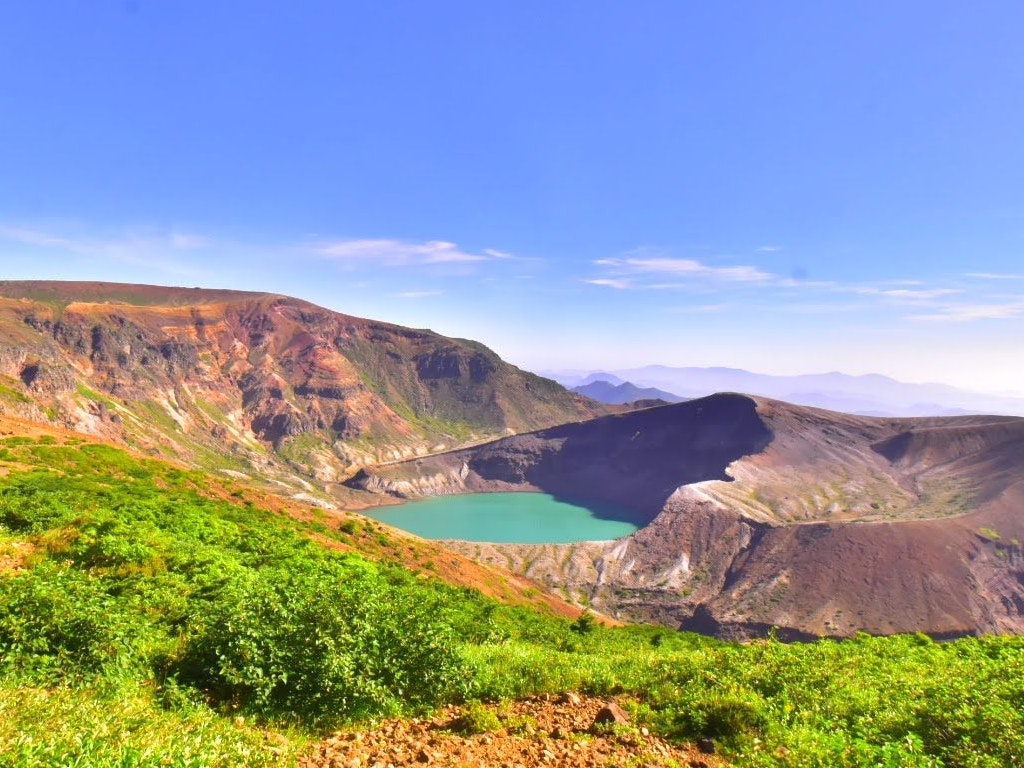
[275,384]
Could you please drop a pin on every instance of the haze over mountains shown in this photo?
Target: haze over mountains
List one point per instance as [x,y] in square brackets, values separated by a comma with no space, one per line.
[868,395]
[620,393]
[755,513]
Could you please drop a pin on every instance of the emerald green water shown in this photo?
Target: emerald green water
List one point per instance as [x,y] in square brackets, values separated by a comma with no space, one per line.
[508,518]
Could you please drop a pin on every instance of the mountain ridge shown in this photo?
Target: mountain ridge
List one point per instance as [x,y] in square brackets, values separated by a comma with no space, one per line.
[866,394]
[624,393]
[256,383]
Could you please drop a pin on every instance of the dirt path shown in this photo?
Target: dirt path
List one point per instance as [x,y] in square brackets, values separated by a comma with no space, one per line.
[555,732]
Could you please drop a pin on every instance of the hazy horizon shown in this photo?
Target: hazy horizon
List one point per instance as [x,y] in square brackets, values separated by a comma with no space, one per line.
[793,189]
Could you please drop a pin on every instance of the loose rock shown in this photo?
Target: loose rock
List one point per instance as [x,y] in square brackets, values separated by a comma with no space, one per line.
[561,739]
[611,714]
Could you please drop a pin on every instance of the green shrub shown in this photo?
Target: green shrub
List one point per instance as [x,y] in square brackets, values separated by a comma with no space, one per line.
[477,718]
[727,717]
[322,644]
[57,623]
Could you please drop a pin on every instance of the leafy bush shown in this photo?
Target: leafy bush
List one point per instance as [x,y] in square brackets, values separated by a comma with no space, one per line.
[722,716]
[57,623]
[322,643]
[477,719]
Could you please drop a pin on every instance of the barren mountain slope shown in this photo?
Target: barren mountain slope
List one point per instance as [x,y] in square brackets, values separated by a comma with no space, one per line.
[257,384]
[766,514]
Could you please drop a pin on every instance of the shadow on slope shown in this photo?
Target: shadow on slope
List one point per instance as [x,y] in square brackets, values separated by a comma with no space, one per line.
[635,460]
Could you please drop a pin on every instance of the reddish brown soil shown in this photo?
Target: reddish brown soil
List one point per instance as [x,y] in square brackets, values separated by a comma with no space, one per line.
[555,732]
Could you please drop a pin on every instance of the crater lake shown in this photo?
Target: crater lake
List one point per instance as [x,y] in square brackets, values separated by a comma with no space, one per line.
[508,518]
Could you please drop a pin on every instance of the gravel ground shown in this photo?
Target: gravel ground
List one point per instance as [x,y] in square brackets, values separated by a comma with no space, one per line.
[551,731]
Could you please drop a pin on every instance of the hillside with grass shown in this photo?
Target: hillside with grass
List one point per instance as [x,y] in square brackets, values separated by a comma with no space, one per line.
[154,615]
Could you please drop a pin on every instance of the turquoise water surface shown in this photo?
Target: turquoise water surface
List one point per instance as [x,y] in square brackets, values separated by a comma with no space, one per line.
[509,518]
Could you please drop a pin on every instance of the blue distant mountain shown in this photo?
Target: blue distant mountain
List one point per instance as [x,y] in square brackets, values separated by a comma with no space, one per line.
[626,392]
[868,395]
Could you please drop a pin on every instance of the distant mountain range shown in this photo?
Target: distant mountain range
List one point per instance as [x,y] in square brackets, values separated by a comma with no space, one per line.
[620,394]
[868,395]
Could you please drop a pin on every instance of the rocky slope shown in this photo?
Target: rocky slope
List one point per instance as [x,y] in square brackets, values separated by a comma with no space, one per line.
[260,385]
[762,514]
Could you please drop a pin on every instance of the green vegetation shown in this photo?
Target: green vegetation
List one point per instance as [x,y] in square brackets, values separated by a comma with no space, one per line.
[9,391]
[149,616]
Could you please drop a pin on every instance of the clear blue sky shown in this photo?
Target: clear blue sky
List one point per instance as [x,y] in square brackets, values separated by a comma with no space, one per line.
[786,187]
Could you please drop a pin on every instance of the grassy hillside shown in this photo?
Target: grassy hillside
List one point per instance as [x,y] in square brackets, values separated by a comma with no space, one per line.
[149,616]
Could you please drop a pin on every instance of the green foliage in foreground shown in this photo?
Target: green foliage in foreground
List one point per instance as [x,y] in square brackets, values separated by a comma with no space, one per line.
[143,622]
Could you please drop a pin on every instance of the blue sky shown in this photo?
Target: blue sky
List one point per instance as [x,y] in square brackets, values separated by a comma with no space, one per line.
[787,187]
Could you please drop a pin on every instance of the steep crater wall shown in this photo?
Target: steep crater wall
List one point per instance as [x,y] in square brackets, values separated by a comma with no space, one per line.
[826,524]
[636,460]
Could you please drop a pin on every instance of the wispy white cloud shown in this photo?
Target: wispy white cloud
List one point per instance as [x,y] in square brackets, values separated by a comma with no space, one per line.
[909,294]
[495,254]
[122,242]
[915,300]
[611,282]
[28,236]
[621,270]
[768,249]
[700,309]
[400,253]
[416,294]
[995,276]
[163,250]
[187,242]
[803,284]
[966,313]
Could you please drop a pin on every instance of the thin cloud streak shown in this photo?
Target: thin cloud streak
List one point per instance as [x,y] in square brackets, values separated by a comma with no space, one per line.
[416,294]
[623,268]
[910,294]
[700,309]
[785,295]
[176,241]
[994,276]
[967,313]
[401,253]
[34,237]
[621,284]
[162,250]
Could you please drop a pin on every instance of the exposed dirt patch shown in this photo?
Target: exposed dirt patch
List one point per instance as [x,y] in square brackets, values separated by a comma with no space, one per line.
[543,731]
[13,555]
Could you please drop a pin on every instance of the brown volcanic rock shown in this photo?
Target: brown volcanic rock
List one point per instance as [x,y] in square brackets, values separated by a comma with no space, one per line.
[763,514]
[538,731]
[256,383]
